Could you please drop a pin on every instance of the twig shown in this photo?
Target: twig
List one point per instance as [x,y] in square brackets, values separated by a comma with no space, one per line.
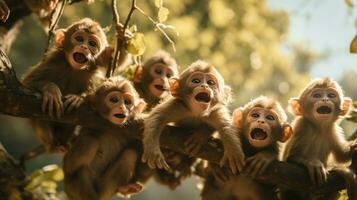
[53,25]
[158,26]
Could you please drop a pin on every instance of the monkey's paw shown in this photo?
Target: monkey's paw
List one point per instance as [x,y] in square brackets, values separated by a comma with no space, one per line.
[317,172]
[257,164]
[72,102]
[235,158]
[130,189]
[195,142]
[52,100]
[353,148]
[4,11]
[220,174]
[155,159]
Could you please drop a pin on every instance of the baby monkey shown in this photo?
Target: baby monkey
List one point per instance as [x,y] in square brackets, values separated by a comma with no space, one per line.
[317,130]
[101,163]
[199,101]
[262,124]
[151,80]
[68,72]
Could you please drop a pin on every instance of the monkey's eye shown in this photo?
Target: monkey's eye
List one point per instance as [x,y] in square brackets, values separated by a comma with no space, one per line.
[255,115]
[168,75]
[270,117]
[211,82]
[127,102]
[195,80]
[331,95]
[114,99]
[79,38]
[316,95]
[158,71]
[92,43]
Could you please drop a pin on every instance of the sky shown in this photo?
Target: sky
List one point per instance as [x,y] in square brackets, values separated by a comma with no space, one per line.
[324,26]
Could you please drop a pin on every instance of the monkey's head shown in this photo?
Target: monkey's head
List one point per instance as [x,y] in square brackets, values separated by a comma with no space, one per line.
[117,101]
[201,86]
[82,43]
[321,102]
[155,73]
[262,122]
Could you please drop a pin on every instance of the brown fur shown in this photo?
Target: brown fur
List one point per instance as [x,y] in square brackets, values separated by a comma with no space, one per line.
[56,78]
[215,116]
[221,185]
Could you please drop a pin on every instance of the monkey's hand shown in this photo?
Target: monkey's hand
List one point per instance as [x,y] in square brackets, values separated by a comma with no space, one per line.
[72,102]
[130,189]
[353,148]
[317,171]
[257,164]
[195,142]
[52,100]
[153,156]
[233,153]
[4,11]
[219,173]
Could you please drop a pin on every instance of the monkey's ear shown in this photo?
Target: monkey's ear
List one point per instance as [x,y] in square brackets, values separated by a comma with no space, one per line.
[295,106]
[286,133]
[237,118]
[59,37]
[140,107]
[346,106]
[174,86]
[138,74]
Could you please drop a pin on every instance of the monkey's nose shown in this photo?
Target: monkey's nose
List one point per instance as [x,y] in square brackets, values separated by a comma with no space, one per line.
[261,121]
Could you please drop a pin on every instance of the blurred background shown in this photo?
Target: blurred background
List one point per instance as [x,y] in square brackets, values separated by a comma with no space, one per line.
[262,47]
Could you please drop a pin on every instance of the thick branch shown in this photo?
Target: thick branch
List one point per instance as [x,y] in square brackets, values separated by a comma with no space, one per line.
[16,101]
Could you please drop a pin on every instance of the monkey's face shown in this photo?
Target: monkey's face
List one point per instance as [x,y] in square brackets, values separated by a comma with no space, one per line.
[161,74]
[262,127]
[120,106]
[324,103]
[204,87]
[86,47]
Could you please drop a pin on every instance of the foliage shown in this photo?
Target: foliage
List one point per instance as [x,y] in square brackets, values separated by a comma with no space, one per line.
[46,178]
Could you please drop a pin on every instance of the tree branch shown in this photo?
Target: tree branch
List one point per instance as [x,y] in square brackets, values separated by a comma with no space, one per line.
[17,101]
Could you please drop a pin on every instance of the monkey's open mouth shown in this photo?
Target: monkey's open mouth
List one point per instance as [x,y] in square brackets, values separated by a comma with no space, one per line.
[80,58]
[324,110]
[203,97]
[120,115]
[258,134]
[160,87]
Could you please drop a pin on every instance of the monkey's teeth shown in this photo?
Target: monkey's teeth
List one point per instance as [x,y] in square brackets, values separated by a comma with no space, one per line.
[80,58]
[203,97]
[324,110]
[120,116]
[258,134]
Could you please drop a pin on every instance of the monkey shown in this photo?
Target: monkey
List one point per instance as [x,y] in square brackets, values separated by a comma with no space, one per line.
[151,79]
[261,124]
[199,98]
[64,77]
[101,163]
[317,111]
[12,12]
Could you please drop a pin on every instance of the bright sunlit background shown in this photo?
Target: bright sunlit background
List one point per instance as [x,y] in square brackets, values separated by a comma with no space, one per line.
[263,47]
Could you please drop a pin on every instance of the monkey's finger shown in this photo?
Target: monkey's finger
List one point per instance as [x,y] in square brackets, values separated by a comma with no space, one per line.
[232,165]
[324,174]
[264,168]
[44,102]
[72,105]
[165,165]
[189,141]
[257,169]
[250,167]
[310,169]
[318,175]
[5,11]
[58,109]
[50,106]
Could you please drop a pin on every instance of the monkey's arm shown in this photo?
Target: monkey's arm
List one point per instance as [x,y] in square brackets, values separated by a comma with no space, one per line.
[169,111]
[342,149]
[83,151]
[257,164]
[233,153]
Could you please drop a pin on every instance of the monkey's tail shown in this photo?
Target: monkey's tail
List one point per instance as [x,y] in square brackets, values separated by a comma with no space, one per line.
[351,181]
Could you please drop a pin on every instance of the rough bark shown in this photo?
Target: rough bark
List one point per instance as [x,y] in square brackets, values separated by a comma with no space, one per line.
[15,100]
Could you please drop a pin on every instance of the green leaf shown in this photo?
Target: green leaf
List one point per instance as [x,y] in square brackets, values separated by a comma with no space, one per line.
[349,3]
[353,46]
[163,14]
[136,44]
[158,3]
[107,28]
